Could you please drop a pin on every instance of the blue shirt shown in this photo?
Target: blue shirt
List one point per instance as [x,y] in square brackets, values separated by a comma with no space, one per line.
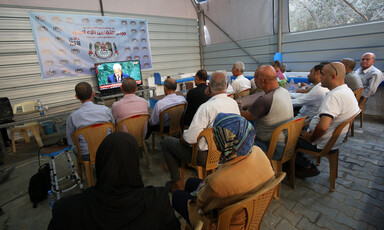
[87,114]
[165,103]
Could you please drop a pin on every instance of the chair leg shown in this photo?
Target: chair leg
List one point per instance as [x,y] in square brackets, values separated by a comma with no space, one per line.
[318,161]
[88,172]
[26,136]
[361,118]
[200,172]
[80,171]
[277,168]
[13,141]
[333,158]
[153,143]
[292,172]
[182,171]
[37,136]
[353,129]
[146,154]
[41,130]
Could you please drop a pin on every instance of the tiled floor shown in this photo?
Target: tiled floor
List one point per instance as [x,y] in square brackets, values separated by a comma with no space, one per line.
[358,202]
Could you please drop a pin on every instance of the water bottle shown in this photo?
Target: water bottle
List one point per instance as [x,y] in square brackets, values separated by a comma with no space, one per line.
[40,107]
[184,88]
[51,199]
[291,86]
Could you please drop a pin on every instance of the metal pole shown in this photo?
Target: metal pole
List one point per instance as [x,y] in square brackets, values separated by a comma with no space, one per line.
[199,28]
[280,34]
[101,7]
[257,62]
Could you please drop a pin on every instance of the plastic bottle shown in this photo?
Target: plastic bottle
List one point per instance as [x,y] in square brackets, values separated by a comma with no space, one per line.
[184,88]
[40,107]
[291,86]
[51,199]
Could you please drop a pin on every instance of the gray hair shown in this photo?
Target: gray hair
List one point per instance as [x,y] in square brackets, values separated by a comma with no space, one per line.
[117,66]
[218,81]
[240,66]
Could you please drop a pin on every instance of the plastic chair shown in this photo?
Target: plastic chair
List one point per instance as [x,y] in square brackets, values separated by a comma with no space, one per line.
[213,156]
[357,94]
[94,135]
[22,108]
[293,129]
[135,125]
[331,155]
[242,93]
[361,106]
[255,207]
[175,114]
[53,151]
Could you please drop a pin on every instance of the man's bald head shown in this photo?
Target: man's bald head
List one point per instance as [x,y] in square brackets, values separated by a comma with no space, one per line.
[170,86]
[367,60]
[218,82]
[333,75]
[349,64]
[266,78]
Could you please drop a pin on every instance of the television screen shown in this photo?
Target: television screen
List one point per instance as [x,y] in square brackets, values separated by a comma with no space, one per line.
[110,74]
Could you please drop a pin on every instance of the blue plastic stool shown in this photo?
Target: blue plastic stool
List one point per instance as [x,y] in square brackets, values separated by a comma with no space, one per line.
[53,151]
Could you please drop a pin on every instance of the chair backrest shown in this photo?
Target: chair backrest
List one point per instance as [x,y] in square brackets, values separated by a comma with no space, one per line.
[255,207]
[231,96]
[213,155]
[135,126]
[175,113]
[242,93]
[362,102]
[293,128]
[94,135]
[336,134]
[25,107]
[358,93]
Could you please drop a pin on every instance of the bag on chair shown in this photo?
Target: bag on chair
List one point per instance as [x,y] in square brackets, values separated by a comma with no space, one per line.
[39,185]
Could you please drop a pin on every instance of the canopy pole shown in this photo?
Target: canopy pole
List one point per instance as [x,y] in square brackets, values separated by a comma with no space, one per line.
[101,7]
[280,33]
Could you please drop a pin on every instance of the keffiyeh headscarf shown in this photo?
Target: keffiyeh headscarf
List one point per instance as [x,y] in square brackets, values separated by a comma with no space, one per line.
[233,136]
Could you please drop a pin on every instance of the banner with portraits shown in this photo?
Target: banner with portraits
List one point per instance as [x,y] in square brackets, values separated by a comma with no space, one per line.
[69,45]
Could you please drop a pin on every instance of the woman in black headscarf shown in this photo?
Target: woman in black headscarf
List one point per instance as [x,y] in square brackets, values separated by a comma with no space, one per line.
[119,200]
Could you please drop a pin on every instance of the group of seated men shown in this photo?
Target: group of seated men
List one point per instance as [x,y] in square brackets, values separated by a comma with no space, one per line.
[329,103]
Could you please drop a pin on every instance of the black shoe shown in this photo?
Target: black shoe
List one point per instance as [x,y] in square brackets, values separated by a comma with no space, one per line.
[307,172]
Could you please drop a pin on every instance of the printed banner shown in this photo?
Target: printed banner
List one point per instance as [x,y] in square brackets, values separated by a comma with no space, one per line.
[69,45]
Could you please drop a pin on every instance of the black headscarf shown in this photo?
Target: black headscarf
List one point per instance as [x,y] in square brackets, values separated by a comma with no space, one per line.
[119,200]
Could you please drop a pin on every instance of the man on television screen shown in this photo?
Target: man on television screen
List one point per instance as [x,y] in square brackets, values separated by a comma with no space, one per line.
[117,75]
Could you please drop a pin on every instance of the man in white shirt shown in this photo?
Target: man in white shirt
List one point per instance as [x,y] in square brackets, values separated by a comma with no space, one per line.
[240,83]
[171,99]
[371,77]
[312,100]
[175,150]
[338,106]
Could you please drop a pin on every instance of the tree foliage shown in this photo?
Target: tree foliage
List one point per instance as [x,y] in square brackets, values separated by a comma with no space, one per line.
[314,14]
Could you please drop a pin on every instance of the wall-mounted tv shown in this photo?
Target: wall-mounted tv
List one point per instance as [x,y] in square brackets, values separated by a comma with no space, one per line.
[109,78]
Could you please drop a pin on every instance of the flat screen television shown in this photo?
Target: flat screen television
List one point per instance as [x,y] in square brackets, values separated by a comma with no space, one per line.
[106,78]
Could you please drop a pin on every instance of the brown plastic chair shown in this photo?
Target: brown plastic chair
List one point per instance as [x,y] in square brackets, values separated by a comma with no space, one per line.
[357,93]
[175,114]
[231,96]
[94,135]
[26,107]
[255,207]
[293,129]
[331,155]
[242,94]
[135,125]
[213,156]
[361,106]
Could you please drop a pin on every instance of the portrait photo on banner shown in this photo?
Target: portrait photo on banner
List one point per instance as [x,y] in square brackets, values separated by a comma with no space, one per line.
[69,45]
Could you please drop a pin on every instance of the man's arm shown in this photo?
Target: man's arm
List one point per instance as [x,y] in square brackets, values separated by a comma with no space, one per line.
[373,82]
[320,129]
[70,129]
[247,115]
[155,117]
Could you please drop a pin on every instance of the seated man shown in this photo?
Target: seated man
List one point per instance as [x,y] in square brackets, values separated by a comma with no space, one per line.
[118,74]
[87,114]
[312,100]
[269,111]
[352,80]
[171,99]
[240,83]
[244,169]
[196,96]
[130,104]
[175,150]
[371,77]
[338,106]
